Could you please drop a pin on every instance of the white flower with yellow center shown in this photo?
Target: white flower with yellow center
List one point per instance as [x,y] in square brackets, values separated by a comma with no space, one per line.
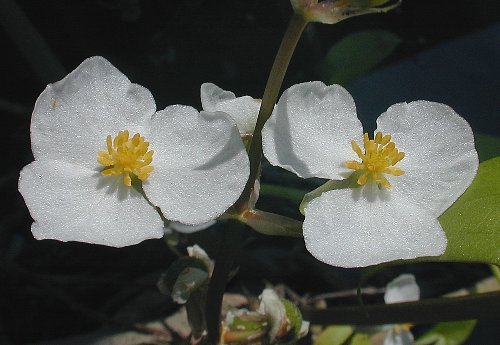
[420,161]
[96,137]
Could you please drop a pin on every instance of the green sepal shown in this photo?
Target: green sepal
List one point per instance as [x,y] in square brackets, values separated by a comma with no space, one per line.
[294,316]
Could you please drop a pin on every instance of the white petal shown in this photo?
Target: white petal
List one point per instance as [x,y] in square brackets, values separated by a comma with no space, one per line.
[310,131]
[72,203]
[188,228]
[72,117]
[402,289]
[244,110]
[360,227]
[212,95]
[440,161]
[200,164]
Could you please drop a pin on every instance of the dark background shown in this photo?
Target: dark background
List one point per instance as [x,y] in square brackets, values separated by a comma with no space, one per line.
[50,289]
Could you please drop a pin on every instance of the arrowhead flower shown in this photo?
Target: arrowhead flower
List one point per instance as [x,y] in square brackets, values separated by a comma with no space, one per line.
[421,159]
[99,144]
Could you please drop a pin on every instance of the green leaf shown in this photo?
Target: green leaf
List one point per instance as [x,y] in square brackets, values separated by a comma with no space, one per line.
[472,223]
[357,54]
[487,146]
[334,335]
[447,333]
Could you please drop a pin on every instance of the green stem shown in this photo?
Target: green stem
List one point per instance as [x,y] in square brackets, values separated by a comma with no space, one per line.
[276,76]
[231,244]
[485,305]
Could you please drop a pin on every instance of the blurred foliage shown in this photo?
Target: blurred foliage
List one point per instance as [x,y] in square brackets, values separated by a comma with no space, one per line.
[334,335]
[356,54]
[448,333]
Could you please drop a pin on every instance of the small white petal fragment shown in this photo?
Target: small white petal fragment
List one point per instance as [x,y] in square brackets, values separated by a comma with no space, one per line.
[367,226]
[72,203]
[212,95]
[204,165]
[441,160]
[73,116]
[244,110]
[199,253]
[399,335]
[310,130]
[402,289]
[273,308]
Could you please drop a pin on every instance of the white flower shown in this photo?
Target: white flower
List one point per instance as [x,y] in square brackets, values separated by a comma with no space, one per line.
[244,110]
[314,132]
[94,132]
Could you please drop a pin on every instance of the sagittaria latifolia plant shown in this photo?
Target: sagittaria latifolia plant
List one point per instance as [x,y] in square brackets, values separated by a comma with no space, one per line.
[112,169]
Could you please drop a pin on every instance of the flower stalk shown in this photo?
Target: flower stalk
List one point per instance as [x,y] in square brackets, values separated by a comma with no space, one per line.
[292,35]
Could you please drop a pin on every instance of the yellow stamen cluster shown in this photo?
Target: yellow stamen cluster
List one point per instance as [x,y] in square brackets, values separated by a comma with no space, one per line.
[379,158]
[126,156]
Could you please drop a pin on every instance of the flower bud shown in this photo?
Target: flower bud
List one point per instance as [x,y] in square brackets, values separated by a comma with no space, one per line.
[333,11]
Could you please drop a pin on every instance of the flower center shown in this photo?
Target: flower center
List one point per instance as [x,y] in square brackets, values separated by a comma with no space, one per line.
[126,156]
[379,158]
